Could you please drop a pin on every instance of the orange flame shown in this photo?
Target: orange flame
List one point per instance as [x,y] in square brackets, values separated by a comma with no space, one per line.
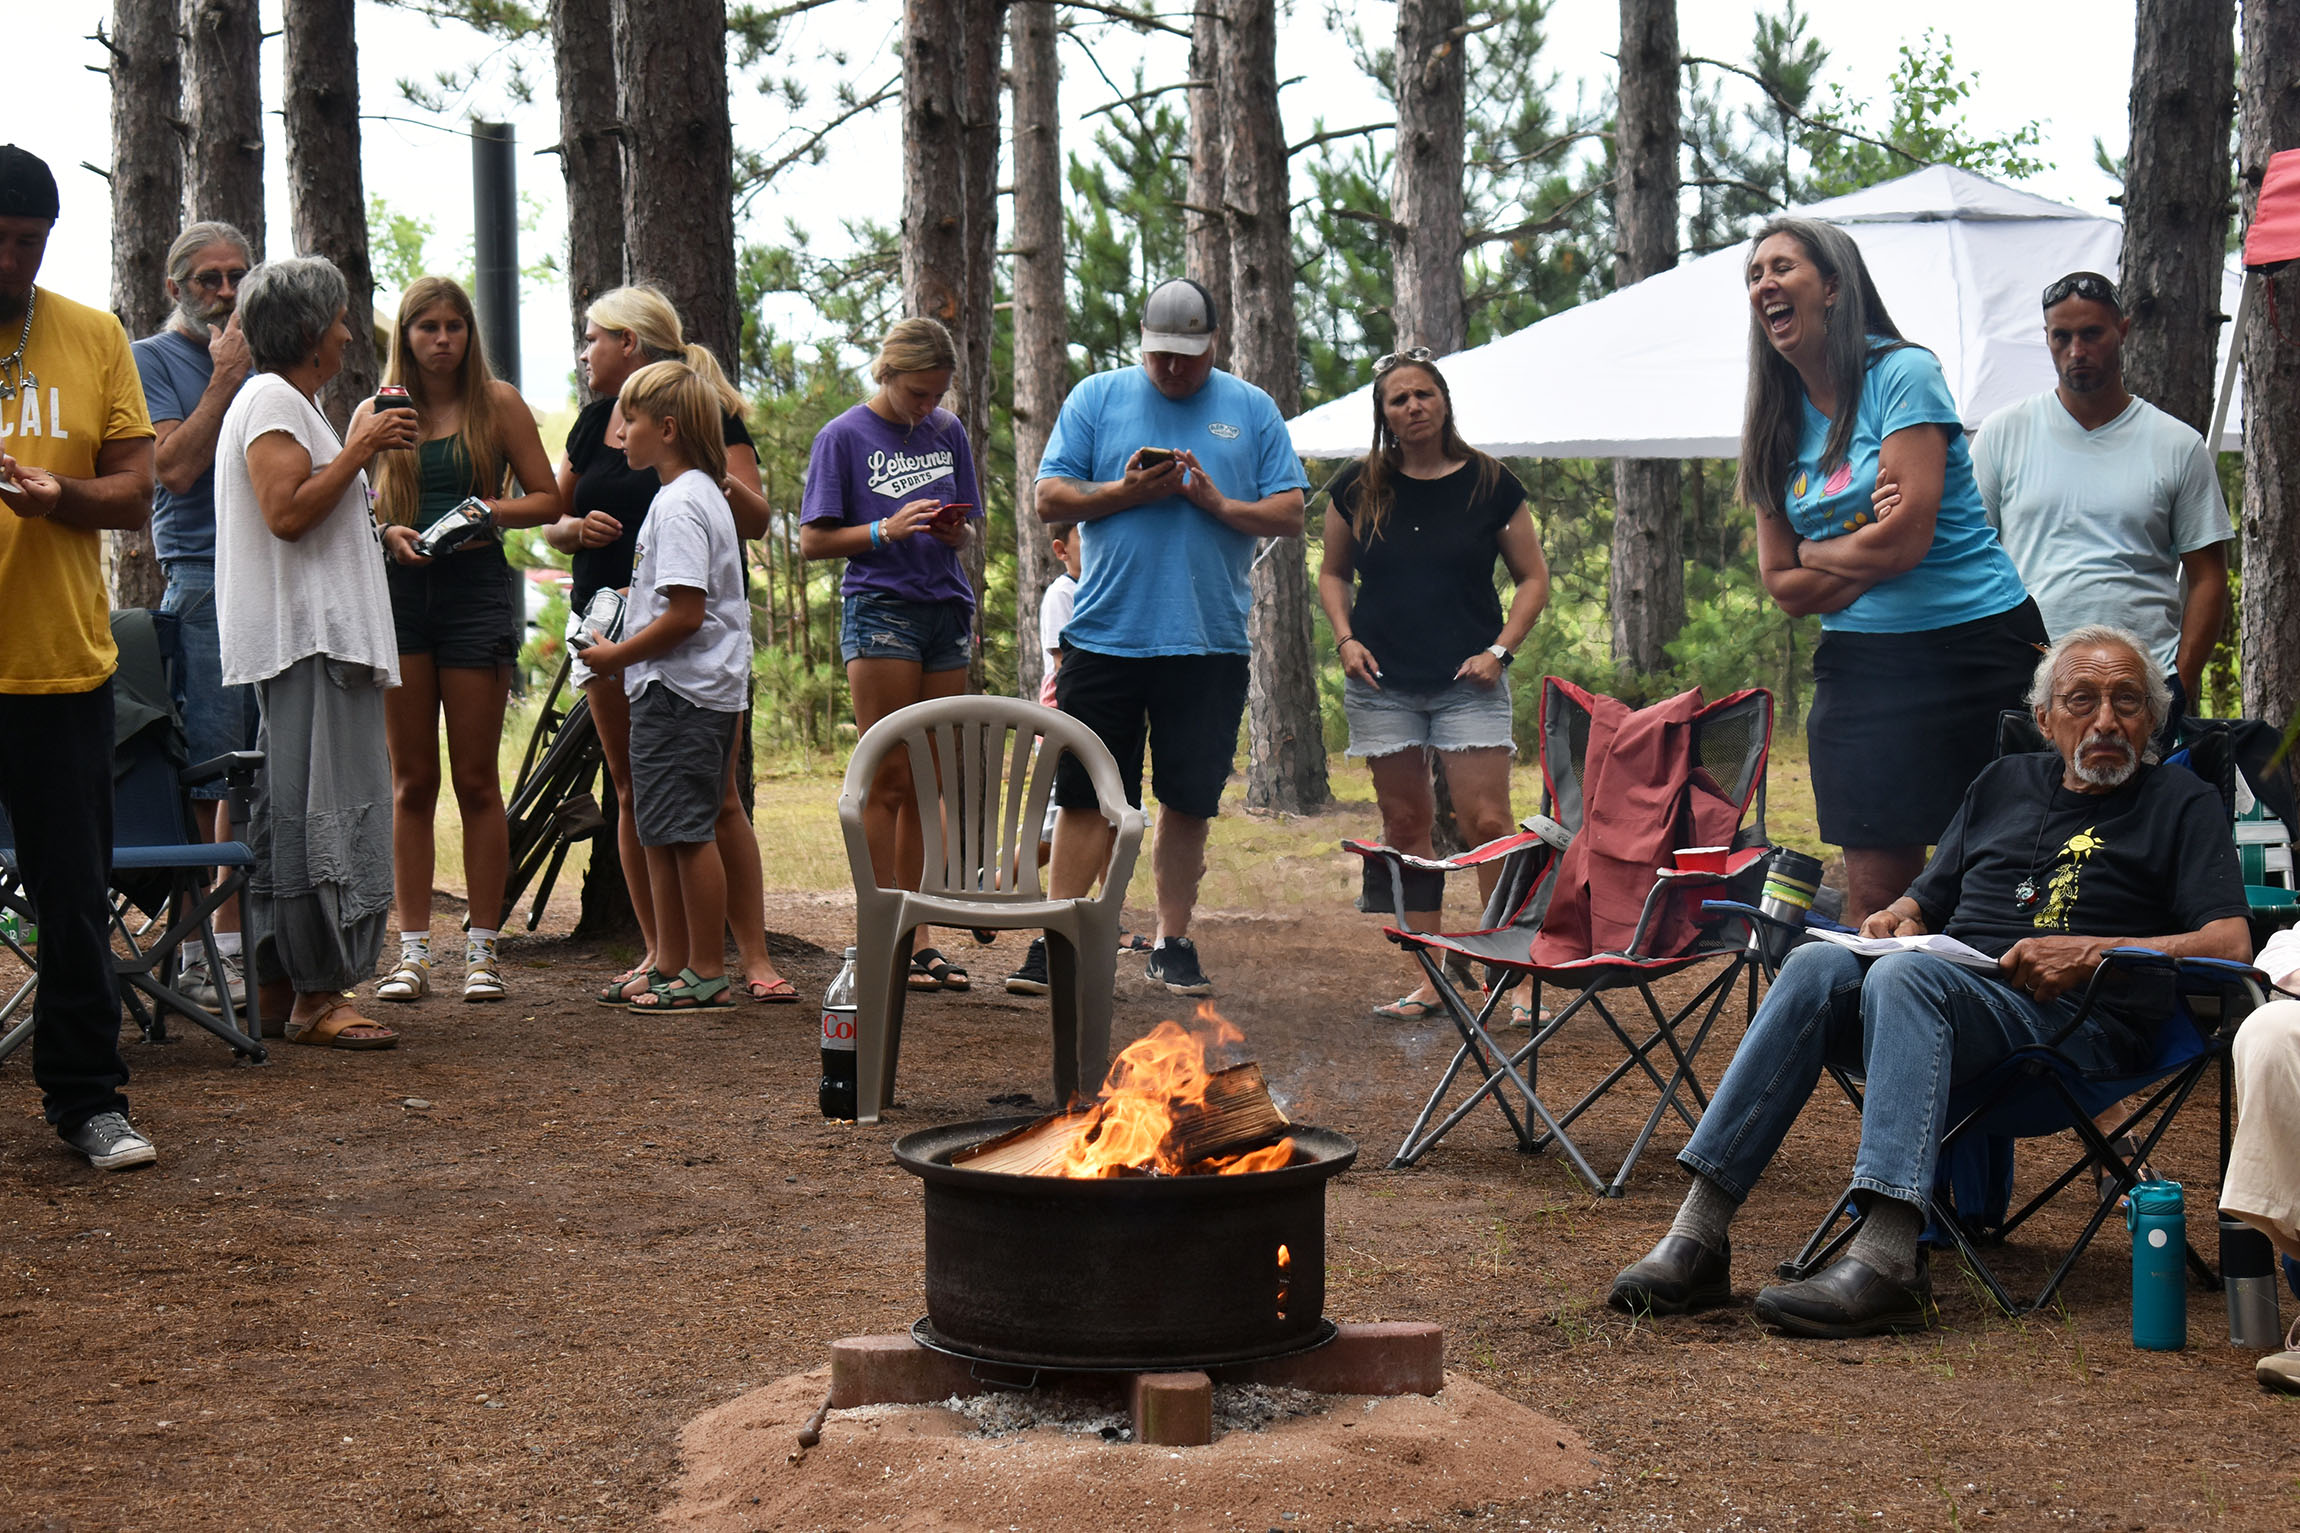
[1130,1129]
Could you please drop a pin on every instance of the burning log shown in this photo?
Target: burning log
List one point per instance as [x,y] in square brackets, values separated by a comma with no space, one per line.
[1160,1113]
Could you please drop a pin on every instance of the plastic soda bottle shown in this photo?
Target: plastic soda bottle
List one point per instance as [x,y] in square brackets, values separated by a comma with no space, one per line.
[2154,1213]
[836,1094]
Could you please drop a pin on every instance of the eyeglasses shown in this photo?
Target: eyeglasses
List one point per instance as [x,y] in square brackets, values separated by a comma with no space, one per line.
[1388,360]
[216,281]
[2083,284]
[2083,705]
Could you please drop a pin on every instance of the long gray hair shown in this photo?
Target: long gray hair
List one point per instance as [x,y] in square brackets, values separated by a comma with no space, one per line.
[1772,421]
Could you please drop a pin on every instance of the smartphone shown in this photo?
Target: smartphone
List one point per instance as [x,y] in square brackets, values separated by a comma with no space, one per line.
[953,513]
[1155,457]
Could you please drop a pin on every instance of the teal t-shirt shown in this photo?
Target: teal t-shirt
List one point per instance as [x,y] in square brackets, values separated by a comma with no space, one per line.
[1966,574]
[1165,578]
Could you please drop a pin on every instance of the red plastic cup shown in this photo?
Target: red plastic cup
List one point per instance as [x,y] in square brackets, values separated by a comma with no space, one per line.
[1702,859]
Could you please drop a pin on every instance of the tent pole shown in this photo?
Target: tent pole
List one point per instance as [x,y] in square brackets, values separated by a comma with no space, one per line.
[2228,372]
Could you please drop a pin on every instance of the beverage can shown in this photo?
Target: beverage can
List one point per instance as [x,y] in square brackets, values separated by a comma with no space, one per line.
[458,525]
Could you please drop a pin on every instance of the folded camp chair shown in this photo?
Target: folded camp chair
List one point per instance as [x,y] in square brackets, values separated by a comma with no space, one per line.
[552,805]
[983,771]
[161,867]
[1607,913]
[2040,1093]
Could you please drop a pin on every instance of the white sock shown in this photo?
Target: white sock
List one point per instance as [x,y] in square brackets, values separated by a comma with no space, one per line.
[415,945]
[228,944]
[480,934]
[194,953]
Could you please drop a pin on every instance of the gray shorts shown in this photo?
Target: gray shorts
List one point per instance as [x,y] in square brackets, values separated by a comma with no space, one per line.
[678,767]
[1462,717]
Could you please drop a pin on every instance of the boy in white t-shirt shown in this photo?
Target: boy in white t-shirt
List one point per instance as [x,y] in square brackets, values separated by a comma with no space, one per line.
[686,667]
[1054,607]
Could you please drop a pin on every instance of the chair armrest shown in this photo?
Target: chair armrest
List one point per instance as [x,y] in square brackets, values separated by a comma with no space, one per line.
[234,766]
[2191,976]
[1500,846]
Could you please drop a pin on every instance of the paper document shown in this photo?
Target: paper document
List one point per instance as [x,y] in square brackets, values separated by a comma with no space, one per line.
[1932,942]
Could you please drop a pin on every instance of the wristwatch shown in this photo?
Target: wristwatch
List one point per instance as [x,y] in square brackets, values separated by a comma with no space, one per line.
[1498,653]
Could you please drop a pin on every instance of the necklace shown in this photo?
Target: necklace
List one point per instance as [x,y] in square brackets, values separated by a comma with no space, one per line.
[2028,893]
[13,363]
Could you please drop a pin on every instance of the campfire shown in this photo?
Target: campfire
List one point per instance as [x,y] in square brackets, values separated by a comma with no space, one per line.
[1163,1111]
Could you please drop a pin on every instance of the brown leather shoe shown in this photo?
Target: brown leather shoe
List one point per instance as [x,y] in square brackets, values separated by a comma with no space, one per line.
[1677,1276]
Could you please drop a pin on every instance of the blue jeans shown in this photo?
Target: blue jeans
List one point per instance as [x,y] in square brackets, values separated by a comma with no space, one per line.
[876,626]
[1914,1025]
[217,718]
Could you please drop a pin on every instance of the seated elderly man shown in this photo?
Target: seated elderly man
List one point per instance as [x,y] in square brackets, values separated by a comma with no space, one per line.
[2051,860]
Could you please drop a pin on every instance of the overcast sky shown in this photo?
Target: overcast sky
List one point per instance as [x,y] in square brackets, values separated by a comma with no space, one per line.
[2066,65]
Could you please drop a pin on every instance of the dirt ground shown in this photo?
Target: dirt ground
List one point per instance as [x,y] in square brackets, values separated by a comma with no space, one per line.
[487,1279]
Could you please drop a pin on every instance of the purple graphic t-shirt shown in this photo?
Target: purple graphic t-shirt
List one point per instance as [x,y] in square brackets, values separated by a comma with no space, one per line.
[865,468]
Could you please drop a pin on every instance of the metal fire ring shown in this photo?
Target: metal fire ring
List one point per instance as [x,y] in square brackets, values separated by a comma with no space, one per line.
[924,1333]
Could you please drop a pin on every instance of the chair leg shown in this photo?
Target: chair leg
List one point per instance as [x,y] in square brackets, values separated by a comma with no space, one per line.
[1080,974]
[882,970]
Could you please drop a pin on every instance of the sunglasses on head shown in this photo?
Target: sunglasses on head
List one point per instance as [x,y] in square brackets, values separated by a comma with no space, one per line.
[2082,284]
[1388,360]
[213,281]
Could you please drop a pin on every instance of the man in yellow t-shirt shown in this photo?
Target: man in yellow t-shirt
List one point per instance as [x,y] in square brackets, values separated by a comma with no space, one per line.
[75,459]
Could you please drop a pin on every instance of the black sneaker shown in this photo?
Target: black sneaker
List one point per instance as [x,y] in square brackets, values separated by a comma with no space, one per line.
[1174,964]
[110,1144]
[1030,979]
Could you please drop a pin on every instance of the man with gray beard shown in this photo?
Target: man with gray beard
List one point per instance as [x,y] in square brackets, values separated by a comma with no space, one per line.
[2053,859]
[192,369]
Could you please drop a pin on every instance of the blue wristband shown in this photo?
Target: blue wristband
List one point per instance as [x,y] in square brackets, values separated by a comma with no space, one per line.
[878,533]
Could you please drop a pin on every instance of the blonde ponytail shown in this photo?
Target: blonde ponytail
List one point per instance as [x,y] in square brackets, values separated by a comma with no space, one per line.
[642,312]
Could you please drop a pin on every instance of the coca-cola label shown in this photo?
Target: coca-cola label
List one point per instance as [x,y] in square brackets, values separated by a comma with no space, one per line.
[838,1028]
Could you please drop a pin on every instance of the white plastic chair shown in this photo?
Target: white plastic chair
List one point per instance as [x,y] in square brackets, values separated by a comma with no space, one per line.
[980,812]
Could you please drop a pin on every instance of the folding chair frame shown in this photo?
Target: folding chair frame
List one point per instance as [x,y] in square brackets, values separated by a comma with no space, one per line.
[2165,1095]
[552,805]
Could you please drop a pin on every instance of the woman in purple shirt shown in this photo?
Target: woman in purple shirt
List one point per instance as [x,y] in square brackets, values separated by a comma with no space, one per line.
[890,489]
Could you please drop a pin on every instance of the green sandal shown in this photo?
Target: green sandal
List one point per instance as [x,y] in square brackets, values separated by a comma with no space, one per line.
[611,993]
[689,992]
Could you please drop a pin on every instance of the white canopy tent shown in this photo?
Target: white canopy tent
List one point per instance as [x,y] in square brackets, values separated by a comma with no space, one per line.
[1657,370]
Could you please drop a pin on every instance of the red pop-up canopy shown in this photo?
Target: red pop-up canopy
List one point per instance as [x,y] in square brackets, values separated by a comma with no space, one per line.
[2274,237]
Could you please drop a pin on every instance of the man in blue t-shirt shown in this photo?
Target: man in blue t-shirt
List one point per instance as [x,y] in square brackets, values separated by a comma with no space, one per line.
[192,369]
[1171,471]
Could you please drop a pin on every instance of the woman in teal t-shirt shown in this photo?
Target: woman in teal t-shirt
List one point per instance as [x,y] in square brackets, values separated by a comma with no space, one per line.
[1927,632]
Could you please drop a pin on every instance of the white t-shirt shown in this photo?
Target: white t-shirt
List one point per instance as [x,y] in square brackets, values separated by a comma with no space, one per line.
[1053,612]
[2096,521]
[278,602]
[689,539]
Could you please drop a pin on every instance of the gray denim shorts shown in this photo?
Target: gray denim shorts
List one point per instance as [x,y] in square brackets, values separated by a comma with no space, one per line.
[679,758]
[1462,717]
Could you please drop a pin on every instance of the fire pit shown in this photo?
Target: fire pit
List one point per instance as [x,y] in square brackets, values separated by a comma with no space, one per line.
[1176,1222]
[1122,1273]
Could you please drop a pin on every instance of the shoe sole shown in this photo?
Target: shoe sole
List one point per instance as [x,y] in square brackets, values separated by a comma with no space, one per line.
[1203,987]
[1027,987]
[1632,1300]
[1820,1330]
[125,1160]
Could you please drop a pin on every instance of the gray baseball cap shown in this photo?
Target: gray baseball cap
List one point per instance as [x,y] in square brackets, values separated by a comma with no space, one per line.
[1179,318]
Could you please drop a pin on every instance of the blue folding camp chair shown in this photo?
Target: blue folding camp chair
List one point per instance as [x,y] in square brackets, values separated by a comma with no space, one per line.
[164,891]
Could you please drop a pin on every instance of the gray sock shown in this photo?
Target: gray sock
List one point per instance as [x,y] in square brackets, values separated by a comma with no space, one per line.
[1704,1215]
[1887,1240]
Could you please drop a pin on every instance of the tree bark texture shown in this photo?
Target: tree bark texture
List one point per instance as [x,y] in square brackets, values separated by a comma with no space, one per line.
[147,158]
[1426,198]
[1286,746]
[1205,227]
[2176,201]
[1041,318]
[327,207]
[679,166]
[590,152]
[2269,120]
[1648,576]
[950,93]
[223,116]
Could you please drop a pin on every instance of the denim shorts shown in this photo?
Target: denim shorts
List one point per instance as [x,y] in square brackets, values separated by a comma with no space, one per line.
[1462,717]
[217,718]
[935,634]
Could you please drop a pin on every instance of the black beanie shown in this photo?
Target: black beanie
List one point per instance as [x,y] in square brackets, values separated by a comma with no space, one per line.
[27,186]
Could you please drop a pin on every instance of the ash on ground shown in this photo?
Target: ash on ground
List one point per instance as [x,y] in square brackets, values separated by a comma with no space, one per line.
[1086,1411]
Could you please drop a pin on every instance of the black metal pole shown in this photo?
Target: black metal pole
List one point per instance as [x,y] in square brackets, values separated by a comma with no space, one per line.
[495,213]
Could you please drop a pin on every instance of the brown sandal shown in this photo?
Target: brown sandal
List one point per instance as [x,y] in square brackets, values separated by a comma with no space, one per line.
[341,1026]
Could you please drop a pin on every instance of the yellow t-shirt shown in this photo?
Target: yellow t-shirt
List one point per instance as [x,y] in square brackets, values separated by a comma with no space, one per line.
[55,617]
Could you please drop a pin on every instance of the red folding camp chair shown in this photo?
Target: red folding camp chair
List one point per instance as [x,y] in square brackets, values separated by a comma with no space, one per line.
[1589,899]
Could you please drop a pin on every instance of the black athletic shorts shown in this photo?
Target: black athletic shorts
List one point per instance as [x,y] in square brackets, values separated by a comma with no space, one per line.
[1190,706]
[456,609]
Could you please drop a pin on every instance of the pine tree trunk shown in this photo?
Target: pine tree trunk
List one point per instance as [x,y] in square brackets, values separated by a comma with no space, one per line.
[590,156]
[2269,120]
[1041,315]
[1206,228]
[2176,201]
[327,208]
[679,167]
[1426,198]
[223,116]
[985,43]
[1285,744]
[147,199]
[1648,578]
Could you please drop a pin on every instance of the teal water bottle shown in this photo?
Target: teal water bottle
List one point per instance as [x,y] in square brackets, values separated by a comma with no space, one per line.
[2159,1266]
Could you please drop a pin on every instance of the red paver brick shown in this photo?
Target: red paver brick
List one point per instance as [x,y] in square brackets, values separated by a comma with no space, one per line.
[1396,1357]
[1172,1410]
[894,1370]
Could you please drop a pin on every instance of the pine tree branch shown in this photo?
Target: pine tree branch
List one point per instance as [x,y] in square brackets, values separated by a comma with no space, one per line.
[1378,220]
[1771,197]
[1316,139]
[1125,13]
[1146,95]
[1786,110]
[754,185]
[1558,218]
[1545,151]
